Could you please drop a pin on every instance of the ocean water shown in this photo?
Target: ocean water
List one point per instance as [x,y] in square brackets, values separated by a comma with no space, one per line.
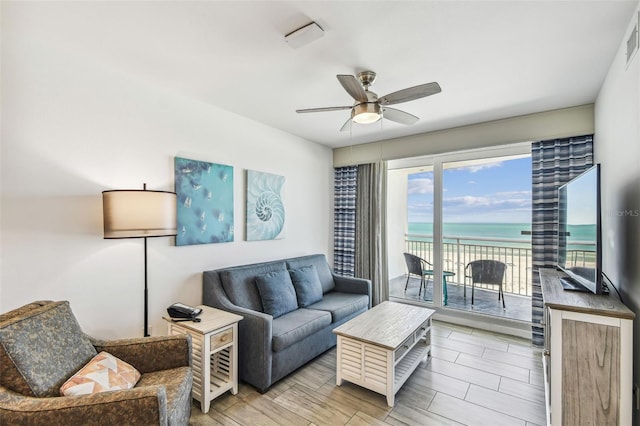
[510,231]
[499,231]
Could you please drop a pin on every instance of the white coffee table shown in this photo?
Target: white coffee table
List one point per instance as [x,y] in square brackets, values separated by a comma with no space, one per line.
[380,348]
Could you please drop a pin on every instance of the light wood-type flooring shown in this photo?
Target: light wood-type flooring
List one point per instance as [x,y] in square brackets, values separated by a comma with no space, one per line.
[473,378]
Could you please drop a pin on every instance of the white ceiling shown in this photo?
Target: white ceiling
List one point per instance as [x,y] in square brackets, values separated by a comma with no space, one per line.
[493,59]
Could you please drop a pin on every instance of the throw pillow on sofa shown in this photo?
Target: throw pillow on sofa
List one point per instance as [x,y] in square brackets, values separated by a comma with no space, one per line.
[307,284]
[276,293]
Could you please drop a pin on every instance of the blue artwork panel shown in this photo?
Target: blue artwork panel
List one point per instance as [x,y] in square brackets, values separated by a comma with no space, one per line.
[265,208]
[205,202]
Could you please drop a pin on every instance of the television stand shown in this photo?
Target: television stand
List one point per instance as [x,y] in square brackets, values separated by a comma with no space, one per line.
[588,356]
[569,284]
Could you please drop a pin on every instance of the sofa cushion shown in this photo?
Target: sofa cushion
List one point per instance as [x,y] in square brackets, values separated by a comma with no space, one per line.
[46,346]
[103,373]
[341,305]
[276,293]
[307,284]
[296,325]
[321,265]
[239,283]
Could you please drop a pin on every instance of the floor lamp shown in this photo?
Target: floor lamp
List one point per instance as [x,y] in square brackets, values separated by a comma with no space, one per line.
[138,213]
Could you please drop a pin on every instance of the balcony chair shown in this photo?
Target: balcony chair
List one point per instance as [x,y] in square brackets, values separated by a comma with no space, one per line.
[418,266]
[42,345]
[485,271]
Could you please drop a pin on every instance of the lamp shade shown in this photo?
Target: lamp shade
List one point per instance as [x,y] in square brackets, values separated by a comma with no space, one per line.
[135,213]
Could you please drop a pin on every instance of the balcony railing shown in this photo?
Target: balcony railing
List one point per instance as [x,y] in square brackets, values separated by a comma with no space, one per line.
[515,253]
[459,251]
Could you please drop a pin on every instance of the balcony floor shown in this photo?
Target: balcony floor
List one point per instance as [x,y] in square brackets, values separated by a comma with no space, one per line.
[486,301]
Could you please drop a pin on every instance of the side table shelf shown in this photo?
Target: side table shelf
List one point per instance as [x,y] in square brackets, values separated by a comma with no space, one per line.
[410,361]
[214,353]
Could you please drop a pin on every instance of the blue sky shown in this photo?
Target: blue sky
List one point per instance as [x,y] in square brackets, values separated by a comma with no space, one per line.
[492,192]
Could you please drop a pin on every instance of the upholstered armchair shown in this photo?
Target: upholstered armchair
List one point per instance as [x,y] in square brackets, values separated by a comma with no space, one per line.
[42,345]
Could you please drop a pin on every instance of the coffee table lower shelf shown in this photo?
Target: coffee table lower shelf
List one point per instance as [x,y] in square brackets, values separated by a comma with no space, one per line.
[376,368]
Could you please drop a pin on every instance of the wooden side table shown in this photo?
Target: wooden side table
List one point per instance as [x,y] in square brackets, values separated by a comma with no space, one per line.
[215,353]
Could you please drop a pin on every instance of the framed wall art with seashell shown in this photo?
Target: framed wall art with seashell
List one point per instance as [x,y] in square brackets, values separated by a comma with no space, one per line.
[205,202]
[265,217]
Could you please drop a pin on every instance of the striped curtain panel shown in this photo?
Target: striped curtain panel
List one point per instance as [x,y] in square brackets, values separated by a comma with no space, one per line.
[344,217]
[554,163]
[371,244]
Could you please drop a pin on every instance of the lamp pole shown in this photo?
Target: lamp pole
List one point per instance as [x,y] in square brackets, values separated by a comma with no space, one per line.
[146,288]
[146,293]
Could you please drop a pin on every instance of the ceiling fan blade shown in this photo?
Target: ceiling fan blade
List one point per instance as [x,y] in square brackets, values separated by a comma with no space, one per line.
[410,94]
[399,116]
[347,125]
[353,87]
[337,108]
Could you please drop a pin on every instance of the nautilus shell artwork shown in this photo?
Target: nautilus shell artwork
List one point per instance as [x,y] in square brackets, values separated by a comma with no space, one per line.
[265,208]
[205,202]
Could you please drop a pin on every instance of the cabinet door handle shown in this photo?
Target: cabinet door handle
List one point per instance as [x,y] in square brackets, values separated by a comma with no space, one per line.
[546,352]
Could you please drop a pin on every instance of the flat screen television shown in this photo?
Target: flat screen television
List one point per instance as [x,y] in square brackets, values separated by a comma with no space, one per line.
[579,232]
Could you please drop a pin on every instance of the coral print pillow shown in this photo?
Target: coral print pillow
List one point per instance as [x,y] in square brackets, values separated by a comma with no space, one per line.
[103,373]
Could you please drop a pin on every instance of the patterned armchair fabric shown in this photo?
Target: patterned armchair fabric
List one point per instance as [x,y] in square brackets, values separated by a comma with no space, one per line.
[42,345]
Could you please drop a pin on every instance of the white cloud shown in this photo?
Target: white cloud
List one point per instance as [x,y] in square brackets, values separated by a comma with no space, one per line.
[420,186]
[514,194]
[467,201]
[498,201]
[478,167]
[472,182]
[421,205]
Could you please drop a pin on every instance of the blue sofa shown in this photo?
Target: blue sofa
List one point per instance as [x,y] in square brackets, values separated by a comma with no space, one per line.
[270,348]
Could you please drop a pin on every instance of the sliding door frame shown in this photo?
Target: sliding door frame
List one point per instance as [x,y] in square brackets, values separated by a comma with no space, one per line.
[437,162]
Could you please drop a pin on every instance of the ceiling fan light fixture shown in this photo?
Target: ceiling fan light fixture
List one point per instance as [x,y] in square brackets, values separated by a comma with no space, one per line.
[366,113]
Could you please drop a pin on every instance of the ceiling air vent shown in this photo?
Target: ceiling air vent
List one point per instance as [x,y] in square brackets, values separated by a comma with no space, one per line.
[304,35]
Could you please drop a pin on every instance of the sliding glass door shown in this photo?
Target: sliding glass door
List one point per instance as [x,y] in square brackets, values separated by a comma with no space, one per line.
[414,202]
[468,216]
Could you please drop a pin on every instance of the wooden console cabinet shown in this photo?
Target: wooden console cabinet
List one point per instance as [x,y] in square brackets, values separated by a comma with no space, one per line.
[588,359]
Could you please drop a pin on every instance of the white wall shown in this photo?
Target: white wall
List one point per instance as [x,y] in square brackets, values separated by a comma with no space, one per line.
[617,148]
[397,225]
[539,126]
[73,126]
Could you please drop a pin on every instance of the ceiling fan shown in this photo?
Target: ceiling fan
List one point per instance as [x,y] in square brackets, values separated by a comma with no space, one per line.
[369,108]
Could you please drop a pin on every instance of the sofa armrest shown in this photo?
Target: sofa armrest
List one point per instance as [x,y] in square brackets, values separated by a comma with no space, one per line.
[255,347]
[352,285]
[148,354]
[255,334]
[144,405]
